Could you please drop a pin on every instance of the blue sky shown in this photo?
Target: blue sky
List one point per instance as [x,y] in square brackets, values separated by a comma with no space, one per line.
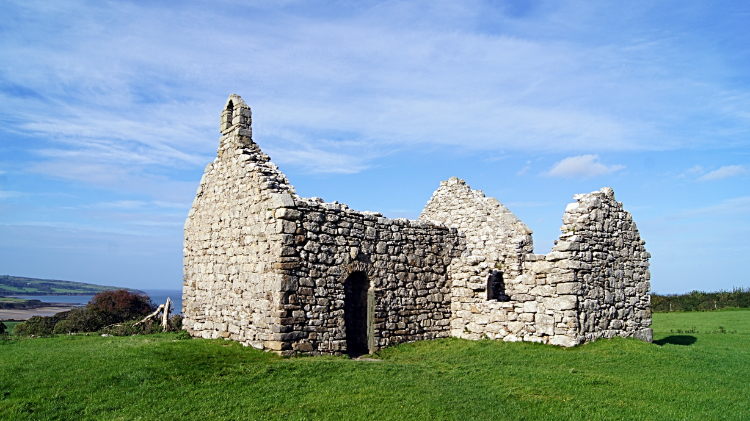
[109,112]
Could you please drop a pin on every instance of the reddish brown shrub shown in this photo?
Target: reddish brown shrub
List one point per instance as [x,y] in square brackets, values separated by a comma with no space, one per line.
[119,306]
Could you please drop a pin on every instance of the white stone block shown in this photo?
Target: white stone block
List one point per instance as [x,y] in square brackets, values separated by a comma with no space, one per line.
[530,307]
[561,340]
[563,302]
[281,200]
[569,288]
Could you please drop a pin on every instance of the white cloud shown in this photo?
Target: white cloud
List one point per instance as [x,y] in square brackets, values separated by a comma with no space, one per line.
[396,73]
[6,194]
[725,172]
[319,161]
[697,169]
[583,166]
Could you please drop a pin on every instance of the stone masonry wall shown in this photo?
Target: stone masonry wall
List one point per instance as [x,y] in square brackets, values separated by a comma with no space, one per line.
[267,268]
[496,241]
[405,261]
[232,242]
[525,304]
[602,245]
[594,283]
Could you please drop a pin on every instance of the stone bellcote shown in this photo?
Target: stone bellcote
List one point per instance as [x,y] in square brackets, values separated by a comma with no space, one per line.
[236,115]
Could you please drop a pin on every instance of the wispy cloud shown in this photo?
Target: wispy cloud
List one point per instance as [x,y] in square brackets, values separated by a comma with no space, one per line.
[583,166]
[697,169]
[735,206]
[118,102]
[525,168]
[121,204]
[6,194]
[725,172]
[319,161]
[395,73]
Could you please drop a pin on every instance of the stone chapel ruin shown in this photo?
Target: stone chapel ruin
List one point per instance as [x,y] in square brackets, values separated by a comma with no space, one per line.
[279,272]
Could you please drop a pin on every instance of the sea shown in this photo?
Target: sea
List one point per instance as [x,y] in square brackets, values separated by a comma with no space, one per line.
[158,296]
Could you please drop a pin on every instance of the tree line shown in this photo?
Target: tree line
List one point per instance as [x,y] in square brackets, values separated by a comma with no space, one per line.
[701,301]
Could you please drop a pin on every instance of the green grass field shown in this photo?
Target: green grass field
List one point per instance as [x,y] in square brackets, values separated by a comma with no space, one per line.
[690,372]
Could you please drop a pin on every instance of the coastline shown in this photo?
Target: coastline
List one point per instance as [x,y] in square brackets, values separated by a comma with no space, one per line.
[54,304]
[27,313]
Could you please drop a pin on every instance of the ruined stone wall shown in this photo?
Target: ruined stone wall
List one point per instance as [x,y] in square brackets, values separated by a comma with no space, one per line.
[232,241]
[270,269]
[602,245]
[525,304]
[267,268]
[594,283]
[405,262]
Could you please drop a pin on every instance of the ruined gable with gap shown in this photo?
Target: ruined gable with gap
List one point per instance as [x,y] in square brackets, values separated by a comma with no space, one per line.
[270,269]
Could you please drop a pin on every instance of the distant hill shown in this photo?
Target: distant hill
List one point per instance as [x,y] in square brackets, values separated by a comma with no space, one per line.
[17,285]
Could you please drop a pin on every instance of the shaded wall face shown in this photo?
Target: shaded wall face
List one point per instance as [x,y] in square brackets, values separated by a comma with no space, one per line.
[405,268]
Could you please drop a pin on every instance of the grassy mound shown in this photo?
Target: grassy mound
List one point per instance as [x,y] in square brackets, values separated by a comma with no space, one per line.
[696,373]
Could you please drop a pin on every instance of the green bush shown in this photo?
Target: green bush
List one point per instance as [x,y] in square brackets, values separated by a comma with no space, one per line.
[39,325]
[183,334]
[79,320]
[3,328]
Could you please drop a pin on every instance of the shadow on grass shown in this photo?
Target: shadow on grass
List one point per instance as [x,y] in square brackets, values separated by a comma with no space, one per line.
[677,340]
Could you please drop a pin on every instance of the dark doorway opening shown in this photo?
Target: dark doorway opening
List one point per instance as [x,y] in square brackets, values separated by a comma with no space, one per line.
[359,303]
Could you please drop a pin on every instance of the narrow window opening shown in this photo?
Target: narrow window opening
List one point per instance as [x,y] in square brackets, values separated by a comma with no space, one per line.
[230,113]
[496,287]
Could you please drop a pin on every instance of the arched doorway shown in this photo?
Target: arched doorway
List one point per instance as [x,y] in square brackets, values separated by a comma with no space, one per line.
[359,306]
